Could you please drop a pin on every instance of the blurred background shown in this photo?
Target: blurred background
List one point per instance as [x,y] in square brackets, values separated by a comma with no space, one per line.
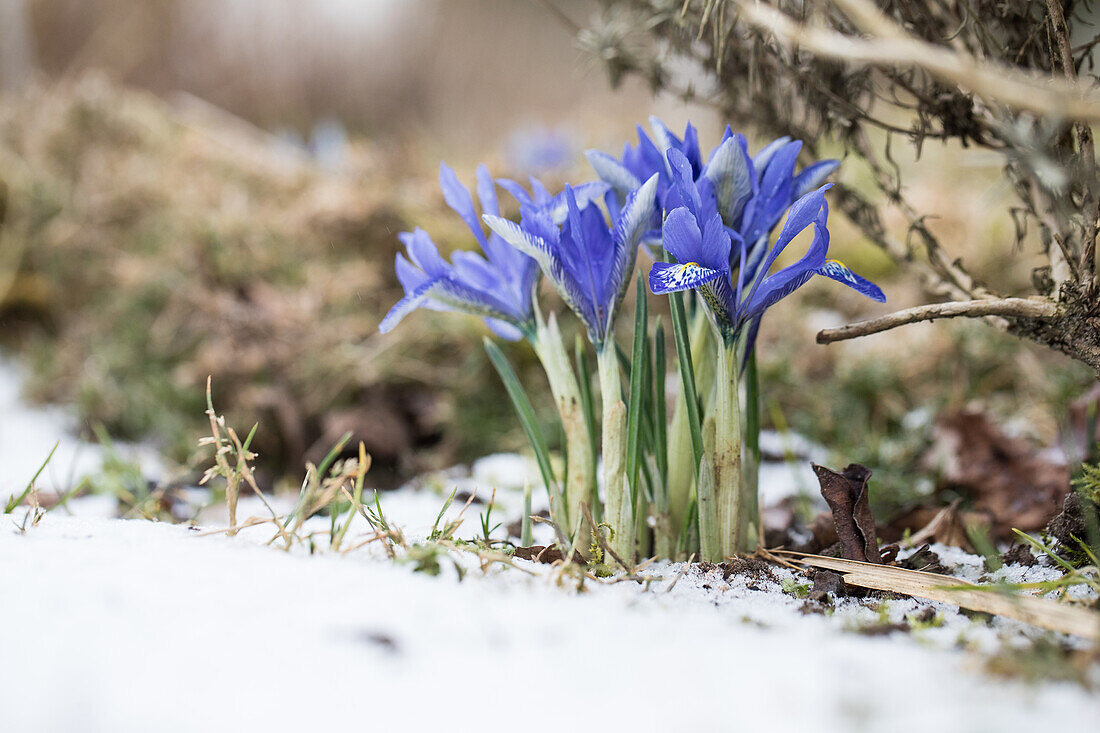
[214,187]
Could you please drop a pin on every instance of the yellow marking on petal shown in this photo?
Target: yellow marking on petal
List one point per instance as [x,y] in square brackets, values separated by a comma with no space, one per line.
[837,262]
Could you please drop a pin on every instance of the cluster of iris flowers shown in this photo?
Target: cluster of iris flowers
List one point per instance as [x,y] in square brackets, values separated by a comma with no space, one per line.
[669,487]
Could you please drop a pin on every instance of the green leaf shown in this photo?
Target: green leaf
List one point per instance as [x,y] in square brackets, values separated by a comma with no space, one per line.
[687,374]
[660,418]
[526,414]
[635,401]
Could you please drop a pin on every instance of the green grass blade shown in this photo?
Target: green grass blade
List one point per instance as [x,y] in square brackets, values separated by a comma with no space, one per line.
[251,435]
[14,501]
[526,414]
[357,496]
[330,457]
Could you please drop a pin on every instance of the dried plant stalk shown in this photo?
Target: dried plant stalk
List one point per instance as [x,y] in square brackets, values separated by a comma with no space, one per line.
[1041,612]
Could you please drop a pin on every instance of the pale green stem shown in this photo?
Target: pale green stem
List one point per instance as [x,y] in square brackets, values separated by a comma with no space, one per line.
[733,512]
[618,511]
[710,536]
[681,468]
[550,350]
[710,520]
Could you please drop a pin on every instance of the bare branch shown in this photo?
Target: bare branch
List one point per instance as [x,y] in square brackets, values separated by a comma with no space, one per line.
[992,81]
[1010,307]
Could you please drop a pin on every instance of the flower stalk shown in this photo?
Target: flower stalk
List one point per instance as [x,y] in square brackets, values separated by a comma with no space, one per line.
[732,504]
[618,509]
[580,469]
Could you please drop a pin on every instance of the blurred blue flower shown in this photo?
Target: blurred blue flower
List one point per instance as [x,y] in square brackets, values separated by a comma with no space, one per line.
[704,248]
[589,262]
[499,287]
[536,150]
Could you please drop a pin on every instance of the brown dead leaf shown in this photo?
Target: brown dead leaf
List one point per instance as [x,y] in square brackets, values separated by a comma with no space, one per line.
[846,494]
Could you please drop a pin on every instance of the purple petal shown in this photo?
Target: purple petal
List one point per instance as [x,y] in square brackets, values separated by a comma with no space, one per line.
[763,157]
[681,236]
[487,192]
[612,171]
[838,271]
[639,213]
[423,253]
[517,191]
[812,176]
[716,244]
[803,212]
[666,277]
[503,329]
[730,173]
[458,198]
[410,276]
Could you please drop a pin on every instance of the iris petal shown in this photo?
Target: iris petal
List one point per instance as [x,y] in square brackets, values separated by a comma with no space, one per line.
[458,198]
[667,277]
[682,237]
[423,252]
[838,271]
[812,176]
[410,276]
[729,171]
[764,156]
[612,172]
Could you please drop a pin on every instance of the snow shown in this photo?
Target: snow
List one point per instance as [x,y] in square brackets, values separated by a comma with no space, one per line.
[132,625]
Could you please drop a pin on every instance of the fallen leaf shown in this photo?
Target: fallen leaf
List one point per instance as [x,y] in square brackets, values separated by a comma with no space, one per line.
[846,494]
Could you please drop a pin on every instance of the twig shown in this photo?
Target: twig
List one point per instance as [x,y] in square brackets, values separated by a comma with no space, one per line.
[1010,307]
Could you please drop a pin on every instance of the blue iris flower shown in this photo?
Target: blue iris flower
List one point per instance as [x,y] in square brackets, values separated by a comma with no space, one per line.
[703,249]
[499,286]
[589,262]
